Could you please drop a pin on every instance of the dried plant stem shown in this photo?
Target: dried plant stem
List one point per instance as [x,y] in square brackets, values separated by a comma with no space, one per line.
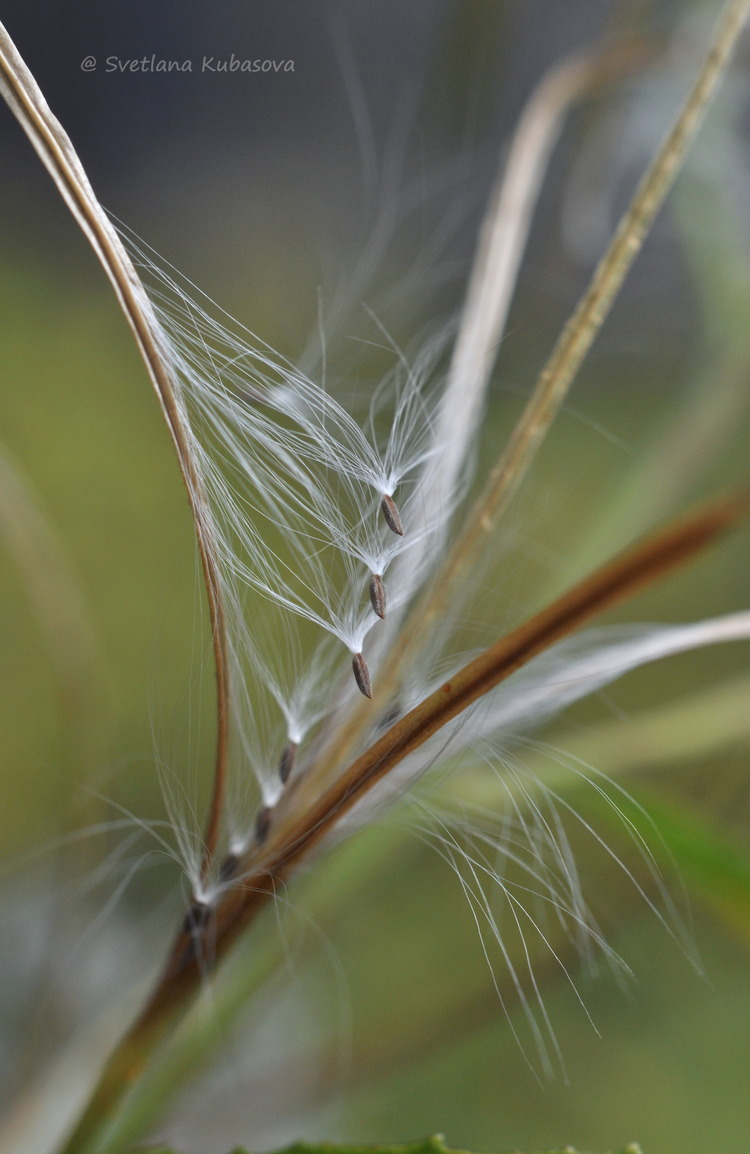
[502,240]
[56,152]
[500,248]
[294,834]
[566,358]
[578,335]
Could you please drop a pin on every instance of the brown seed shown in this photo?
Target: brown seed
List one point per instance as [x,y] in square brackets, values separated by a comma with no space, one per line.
[391,514]
[263,823]
[287,761]
[377,594]
[362,675]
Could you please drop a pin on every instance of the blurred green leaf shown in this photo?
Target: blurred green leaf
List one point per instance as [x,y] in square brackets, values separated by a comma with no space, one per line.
[714,867]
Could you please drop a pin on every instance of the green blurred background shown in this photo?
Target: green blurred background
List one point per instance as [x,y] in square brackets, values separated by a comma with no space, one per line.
[379,1020]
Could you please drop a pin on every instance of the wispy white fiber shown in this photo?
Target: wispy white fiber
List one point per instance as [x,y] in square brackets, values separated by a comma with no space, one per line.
[579,666]
[571,670]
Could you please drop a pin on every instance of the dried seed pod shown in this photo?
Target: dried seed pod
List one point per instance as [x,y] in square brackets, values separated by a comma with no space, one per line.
[377,594]
[263,823]
[391,514]
[362,675]
[287,761]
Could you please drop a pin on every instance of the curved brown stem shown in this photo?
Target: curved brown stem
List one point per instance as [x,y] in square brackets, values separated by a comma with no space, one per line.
[59,157]
[294,835]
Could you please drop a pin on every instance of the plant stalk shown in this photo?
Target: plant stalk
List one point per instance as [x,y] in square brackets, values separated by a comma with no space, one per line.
[293,835]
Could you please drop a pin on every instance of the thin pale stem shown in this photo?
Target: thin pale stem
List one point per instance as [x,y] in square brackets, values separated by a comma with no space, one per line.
[56,152]
[499,251]
[294,834]
[556,377]
[577,337]
[503,235]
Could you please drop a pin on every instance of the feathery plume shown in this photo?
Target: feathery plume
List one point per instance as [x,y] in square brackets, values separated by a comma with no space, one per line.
[293,501]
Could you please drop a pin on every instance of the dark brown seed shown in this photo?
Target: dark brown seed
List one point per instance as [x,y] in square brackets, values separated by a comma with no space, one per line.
[362,675]
[263,823]
[195,918]
[377,594]
[287,761]
[228,867]
[391,514]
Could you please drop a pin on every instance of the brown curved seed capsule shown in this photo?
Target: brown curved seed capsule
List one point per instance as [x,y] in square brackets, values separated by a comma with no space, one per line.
[391,514]
[362,675]
[377,594]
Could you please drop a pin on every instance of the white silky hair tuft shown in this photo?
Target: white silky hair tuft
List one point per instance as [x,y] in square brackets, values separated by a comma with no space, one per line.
[305,504]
